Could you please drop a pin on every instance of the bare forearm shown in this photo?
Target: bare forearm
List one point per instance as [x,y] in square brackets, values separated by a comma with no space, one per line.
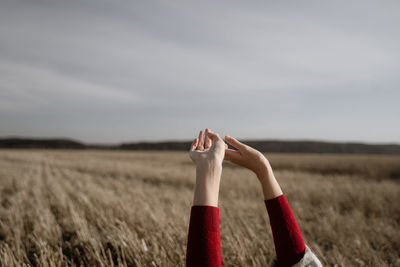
[207,186]
[270,186]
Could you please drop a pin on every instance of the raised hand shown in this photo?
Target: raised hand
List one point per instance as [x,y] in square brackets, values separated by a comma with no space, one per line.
[207,151]
[246,156]
[255,161]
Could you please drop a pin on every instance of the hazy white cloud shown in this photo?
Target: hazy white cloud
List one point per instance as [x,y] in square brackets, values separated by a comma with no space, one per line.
[31,88]
[132,70]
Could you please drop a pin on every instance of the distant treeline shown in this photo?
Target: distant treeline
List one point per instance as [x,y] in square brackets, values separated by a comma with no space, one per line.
[41,143]
[283,147]
[264,146]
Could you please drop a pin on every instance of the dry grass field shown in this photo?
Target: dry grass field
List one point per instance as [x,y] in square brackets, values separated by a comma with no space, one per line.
[108,208]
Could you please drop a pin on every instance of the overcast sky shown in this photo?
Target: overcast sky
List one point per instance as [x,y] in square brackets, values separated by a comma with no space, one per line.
[123,70]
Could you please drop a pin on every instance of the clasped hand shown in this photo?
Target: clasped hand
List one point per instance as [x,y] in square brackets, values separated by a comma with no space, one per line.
[208,152]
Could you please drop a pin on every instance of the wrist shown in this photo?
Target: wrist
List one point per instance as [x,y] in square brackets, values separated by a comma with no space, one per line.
[208,179]
[269,184]
[208,172]
[264,170]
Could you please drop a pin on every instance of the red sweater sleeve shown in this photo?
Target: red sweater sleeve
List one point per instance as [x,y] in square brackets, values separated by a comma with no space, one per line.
[289,244]
[203,246]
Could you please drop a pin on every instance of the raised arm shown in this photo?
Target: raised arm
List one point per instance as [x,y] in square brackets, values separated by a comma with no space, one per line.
[203,247]
[289,244]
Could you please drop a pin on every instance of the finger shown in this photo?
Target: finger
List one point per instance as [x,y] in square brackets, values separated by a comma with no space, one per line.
[214,136]
[200,145]
[194,144]
[232,155]
[207,140]
[234,142]
[217,142]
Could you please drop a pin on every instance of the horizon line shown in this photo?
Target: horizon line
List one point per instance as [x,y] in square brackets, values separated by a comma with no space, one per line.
[189,140]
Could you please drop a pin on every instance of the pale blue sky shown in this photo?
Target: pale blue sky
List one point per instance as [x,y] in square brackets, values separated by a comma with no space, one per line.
[119,70]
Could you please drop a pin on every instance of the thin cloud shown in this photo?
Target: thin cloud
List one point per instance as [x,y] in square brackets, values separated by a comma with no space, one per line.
[136,70]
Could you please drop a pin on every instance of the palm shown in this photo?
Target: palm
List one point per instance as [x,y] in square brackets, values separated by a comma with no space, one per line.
[245,156]
[207,147]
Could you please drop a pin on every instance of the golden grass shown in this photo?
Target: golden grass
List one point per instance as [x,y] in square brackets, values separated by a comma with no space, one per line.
[105,208]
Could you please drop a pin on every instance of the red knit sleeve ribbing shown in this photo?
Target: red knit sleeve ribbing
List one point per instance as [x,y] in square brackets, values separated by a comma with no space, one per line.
[203,246]
[289,244]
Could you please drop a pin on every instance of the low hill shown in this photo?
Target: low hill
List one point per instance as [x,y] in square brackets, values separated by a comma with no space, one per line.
[283,147]
[277,146]
[156,146]
[41,143]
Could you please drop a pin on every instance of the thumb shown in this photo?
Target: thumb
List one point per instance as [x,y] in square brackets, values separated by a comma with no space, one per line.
[235,143]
